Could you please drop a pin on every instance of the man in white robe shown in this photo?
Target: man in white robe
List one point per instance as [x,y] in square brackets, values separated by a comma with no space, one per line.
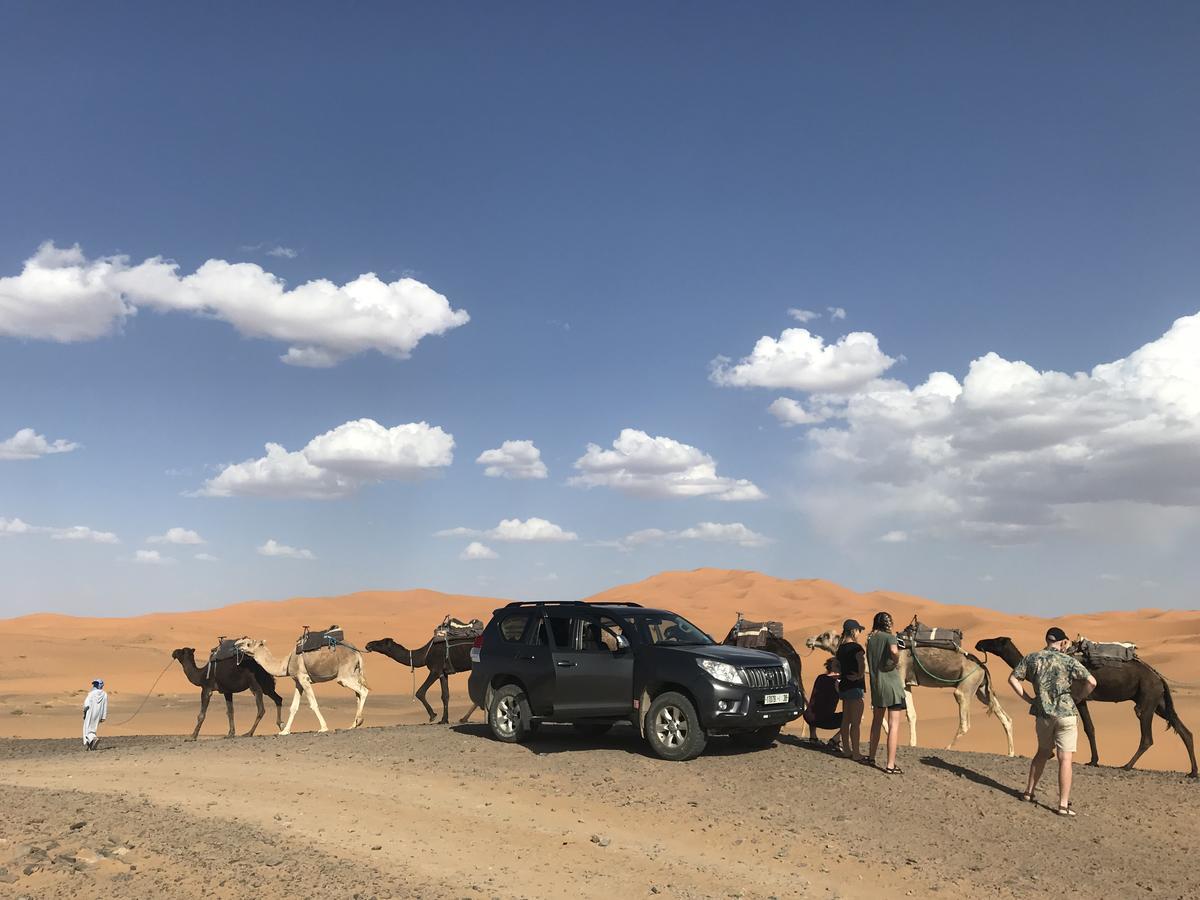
[95,711]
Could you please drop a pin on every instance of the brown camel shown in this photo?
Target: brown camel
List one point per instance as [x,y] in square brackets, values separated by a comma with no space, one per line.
[229,677]
[442,659]
[1117,682]
[340,663]
[780,647]
[965,674]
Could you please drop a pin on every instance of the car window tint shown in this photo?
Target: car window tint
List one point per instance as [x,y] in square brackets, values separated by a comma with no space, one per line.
[564,631]
[609,630]
[540,638]
[513,627]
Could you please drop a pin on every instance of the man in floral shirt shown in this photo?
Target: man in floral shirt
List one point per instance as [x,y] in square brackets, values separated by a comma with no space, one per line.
[1056,678]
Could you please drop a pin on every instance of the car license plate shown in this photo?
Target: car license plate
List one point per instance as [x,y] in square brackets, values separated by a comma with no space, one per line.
[771,699]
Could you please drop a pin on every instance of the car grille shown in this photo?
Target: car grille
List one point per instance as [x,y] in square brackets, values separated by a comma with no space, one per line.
[766,677]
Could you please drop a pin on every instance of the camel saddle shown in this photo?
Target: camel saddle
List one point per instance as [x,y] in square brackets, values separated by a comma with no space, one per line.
[226,649]
[917,634]
[315,640]
[453,629]
[1095,654]
[755,634]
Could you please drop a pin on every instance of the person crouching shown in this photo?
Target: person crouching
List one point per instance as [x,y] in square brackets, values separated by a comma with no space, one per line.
[822,711]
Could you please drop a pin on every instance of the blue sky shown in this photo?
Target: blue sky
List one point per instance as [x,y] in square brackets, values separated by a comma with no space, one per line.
[617,196]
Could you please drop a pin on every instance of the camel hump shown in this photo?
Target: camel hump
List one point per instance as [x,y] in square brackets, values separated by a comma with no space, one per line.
[453,629]
[226,649]
[918,634]
[315,640]
[1098,654]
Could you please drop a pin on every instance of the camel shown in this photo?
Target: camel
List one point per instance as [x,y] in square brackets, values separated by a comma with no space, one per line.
[967,675]
[340,663]
[442,659]
[1117,682]
[780,647]
[229,677]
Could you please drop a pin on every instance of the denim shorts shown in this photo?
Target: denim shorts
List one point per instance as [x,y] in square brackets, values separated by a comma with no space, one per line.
[852,694]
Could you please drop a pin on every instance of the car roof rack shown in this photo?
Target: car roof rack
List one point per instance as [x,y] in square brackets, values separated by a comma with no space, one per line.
[572,603]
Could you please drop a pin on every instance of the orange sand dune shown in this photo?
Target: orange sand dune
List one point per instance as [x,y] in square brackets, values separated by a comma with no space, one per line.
[51,658]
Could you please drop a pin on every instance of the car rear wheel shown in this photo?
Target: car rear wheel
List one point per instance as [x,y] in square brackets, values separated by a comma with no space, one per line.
[509,715]
[758,738]
[673,728]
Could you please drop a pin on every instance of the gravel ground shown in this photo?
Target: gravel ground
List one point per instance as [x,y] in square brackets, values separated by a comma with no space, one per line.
[427,811]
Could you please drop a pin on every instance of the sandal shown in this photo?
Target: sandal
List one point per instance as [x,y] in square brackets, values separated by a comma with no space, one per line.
[894,770]
[1066,810]
[1028,798]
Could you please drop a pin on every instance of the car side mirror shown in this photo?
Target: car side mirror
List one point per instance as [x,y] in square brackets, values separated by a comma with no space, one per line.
[622,642]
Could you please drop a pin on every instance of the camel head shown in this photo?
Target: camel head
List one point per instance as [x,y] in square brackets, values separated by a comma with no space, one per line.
[829,641]
[183,653]
[381,646]
[246,645]
[996,645]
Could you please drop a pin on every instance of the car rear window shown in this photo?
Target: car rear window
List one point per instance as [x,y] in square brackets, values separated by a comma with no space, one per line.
[512,627]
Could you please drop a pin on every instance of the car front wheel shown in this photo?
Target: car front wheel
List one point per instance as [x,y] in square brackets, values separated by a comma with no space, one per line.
[673,728]
[509,715]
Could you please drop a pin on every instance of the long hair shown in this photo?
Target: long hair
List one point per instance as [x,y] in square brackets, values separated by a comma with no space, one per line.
[882,622]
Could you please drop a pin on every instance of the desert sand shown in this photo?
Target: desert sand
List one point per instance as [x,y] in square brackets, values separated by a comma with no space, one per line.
[405,810]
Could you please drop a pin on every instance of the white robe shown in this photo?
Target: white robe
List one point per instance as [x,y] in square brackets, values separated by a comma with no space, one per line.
[95,711]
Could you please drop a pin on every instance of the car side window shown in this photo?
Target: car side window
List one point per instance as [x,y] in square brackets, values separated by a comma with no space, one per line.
[512,628]
[564,630]
[610,632]
[540,637]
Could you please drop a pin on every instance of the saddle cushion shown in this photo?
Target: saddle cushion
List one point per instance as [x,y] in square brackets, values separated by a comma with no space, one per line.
[226,649]
[316,640]
[756,634]
[1097,654]
[457,630]
[920,635]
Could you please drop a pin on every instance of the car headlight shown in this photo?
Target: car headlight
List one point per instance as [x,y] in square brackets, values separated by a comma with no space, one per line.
[722,671]
[787,669]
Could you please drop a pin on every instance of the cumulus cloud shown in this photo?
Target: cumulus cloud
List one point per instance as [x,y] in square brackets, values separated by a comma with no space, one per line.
[283,252]
[28,444]
[176,536]
[476,550]
[513,459]
[273,548]
[69,533]
[646,466]
[801,361]
[338,462]
[152,558]
[836,312]
[803,316]
[206,557]
[1012,453]
[532,529]
[62,296]
[716,532]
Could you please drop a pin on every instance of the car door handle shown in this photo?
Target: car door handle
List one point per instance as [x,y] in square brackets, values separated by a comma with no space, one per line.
[562,663]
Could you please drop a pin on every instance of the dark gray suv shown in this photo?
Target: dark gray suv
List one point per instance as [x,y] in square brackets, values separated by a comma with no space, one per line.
[594,665]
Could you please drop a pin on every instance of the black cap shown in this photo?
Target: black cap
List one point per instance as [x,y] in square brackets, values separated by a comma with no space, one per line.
[851,625]
[1055,634]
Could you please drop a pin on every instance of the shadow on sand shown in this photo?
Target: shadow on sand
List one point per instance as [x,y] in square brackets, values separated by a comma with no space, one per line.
[936,762]
[551,739]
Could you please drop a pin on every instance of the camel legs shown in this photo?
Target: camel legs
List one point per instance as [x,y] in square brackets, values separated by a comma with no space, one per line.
[262,710]
[307,687]
[287,729]
[962,698]
[205,694]
[1182,731]
[420,695]
[1085,716]
[445,685]
[910,712]
[470,712]
[359,687]
[1146,714]
[229,712]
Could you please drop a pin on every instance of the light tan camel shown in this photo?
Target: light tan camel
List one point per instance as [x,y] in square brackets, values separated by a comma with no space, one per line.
[956,669]
[340,663]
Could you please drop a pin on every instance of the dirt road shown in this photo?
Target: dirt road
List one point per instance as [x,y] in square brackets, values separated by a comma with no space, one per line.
[426,811]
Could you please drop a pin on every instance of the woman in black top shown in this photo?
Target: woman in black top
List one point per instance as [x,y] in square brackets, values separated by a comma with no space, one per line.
[851,689]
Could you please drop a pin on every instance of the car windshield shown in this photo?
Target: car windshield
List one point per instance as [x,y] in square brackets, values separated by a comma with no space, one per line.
[668,628]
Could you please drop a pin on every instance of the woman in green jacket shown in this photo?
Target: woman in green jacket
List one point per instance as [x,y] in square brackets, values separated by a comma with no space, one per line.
[887,688]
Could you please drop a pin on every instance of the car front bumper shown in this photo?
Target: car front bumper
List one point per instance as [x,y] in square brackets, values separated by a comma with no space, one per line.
[745,709]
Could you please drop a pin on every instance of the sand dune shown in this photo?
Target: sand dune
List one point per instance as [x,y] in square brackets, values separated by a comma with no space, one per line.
[51,658]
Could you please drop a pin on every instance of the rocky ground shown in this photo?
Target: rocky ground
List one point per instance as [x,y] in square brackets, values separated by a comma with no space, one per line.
[437,812]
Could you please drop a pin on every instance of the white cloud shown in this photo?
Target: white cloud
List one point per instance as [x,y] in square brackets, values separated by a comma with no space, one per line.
[894,537]
[716,532]
[70,533]
[513,459]
[803,316]
[62,296]
[338,462]
[836,312]
[801,361]
[274,548]
[476,550]
[28,444]
[206,557]
[792,412]
[1012,453]
[532,529]
[658,467]
[176,536]
[283,252]
[152,558]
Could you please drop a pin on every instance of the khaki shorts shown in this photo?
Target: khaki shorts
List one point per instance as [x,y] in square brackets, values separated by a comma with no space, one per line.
[1057,734]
